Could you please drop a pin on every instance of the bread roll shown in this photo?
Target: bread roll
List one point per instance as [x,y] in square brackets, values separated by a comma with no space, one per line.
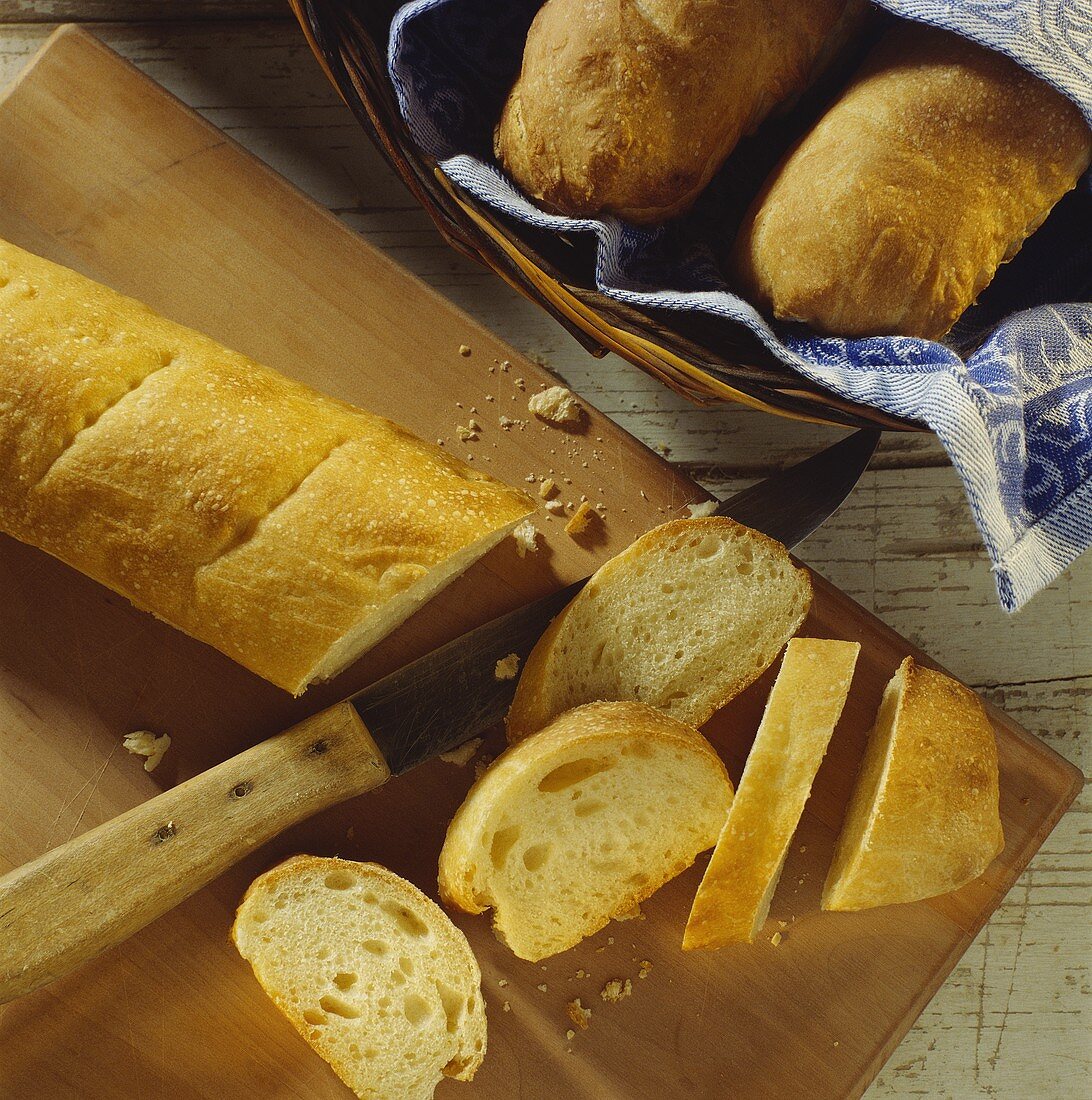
[804,706]
[369,971]
[582,821]
[630,106]
[929,171]
[924,817]
[287,529]
[683,619]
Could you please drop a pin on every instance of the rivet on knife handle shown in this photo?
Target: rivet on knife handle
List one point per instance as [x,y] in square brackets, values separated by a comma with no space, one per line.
[84,897]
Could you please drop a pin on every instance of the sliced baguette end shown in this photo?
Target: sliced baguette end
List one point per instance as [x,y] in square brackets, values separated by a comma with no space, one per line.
[924,818]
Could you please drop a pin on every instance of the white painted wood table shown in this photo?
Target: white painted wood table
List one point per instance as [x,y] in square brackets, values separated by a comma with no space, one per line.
[1013,1019]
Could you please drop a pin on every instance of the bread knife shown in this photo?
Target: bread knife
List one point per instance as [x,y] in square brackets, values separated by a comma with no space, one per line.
[87,895]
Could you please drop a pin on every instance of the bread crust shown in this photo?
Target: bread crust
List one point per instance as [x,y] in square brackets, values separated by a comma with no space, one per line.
[924,818]
[533,705]
[242,507]
[630,106]
[928,172]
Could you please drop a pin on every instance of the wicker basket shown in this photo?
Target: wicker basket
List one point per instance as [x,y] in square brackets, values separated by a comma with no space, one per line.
[349,38]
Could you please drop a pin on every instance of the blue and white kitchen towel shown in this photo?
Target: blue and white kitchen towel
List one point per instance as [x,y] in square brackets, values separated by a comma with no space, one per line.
[1015,416]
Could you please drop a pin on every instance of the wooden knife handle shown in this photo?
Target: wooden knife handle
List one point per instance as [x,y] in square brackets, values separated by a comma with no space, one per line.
[88,895]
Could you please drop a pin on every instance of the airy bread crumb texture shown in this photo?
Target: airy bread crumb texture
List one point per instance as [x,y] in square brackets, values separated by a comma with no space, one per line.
[683,619]
[369,971]
[582,821]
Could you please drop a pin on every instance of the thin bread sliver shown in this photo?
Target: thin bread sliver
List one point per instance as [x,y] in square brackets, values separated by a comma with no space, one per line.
[804,706]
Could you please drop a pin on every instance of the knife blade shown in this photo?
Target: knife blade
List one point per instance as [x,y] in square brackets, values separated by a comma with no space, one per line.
[451,695]
[100,887]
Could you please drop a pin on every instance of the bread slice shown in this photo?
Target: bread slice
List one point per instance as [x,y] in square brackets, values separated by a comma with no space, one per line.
[684,619]
[924,817]
[734,897]
[370,972]
[580,822]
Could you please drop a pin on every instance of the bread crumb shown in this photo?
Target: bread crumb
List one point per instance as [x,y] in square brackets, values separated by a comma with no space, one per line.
[646,969]
[520,384]
[505,364]
[147,744]
[557,405]
[503,983]
[507,667]
[555,507]
[570,1035]
[525,535]
[466,433]
[579,1015]
[542,988]
[464,350]
[705,508]
[775,939]
[547,488]
[481,766]
[633,913]
[578,524]
[507,1006]
[610,940]
[463,754]
[474,426]
[664,449]
[782,924]
[616,990]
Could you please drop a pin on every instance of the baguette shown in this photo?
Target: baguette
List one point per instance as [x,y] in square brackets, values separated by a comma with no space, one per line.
[369,971]
[581,822]
[683,619]
[896,210]
[924,817]
[289,530]
[629,107]
[734,897]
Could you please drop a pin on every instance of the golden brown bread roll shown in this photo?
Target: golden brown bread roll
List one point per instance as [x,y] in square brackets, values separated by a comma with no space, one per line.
[895,211]
[287,529]
[630,106]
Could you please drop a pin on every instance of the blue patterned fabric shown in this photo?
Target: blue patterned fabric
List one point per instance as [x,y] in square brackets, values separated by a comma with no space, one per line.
[1014,412]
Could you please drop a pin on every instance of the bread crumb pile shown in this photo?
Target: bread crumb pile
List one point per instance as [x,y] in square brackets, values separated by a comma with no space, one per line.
[617,989]
[556,405]
[579,1015]
[462,755]
[525,533]
[507,667]
[147,744]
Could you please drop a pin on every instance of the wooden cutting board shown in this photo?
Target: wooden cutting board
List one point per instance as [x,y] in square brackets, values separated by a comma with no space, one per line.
[103,170]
